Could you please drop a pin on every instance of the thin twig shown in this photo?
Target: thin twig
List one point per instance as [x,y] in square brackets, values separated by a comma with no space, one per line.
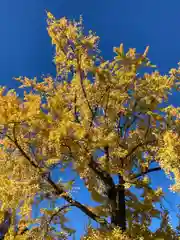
[146,172]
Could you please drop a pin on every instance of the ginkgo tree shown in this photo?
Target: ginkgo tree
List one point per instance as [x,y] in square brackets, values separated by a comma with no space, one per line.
[92,105]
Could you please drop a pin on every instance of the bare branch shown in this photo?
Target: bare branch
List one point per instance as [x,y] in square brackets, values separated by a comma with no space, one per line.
[146,172]
[60,210]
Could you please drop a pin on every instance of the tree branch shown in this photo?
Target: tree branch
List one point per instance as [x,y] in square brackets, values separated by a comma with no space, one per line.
[103,175]
[146,172]
[75,109]
[82,86]
[136,147]
[106,150]
[59,210]
[59,190]
[130,122]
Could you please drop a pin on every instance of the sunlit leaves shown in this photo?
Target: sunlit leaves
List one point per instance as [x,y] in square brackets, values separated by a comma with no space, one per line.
[115,234]
[168,156]
[92,105]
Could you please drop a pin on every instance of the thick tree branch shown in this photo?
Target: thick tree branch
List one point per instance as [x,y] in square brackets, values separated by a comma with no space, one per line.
[103,175]
[106,151]
[59,190]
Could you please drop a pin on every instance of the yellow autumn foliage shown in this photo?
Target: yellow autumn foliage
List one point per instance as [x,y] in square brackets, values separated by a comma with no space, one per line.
[60,123]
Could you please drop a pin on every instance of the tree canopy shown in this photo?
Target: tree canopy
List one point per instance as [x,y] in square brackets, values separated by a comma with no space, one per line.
[101,119]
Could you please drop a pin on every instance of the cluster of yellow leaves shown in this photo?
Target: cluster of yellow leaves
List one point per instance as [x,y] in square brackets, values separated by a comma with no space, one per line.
[13,109]
[139,232]
[19,182]
[168,156]
[115,234]
[71,45]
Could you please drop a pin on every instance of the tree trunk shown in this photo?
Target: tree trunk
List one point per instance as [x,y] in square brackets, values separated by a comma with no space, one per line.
[118,206]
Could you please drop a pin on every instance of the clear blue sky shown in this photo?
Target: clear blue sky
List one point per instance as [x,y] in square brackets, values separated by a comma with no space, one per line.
[26,49]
